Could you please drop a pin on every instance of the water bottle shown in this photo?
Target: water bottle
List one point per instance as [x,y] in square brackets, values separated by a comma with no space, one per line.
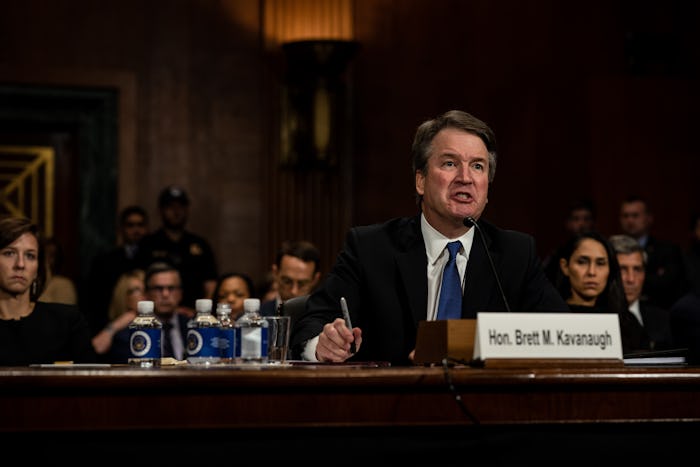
[226,333]
[251,334]
[144,337]
[203,335]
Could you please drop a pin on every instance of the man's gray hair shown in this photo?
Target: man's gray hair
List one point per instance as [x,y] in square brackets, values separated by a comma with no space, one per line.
[626,245]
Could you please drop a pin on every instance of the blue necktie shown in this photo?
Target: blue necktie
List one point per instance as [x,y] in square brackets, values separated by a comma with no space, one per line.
[450,304]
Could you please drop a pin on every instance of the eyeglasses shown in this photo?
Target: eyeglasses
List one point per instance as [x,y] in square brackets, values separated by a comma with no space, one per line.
[163,288]
[288,283]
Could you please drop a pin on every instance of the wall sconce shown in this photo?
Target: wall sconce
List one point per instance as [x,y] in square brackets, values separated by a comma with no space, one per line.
[315,113]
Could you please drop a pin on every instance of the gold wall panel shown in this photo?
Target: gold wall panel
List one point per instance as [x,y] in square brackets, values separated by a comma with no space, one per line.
[27,184]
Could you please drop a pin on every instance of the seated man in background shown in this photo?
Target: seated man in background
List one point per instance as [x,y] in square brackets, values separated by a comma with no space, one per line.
[655,320]
[296,272]
[164,288]
[665,279]
[108,266]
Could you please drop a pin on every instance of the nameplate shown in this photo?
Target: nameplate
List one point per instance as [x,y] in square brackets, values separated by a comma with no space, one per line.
[547,336]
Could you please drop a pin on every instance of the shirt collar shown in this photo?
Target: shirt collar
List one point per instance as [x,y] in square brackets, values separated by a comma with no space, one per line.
[635,309]
[435,242]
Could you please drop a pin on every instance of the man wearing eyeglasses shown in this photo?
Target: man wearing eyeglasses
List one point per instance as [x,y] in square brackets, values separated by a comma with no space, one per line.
[296,272]
[164,288]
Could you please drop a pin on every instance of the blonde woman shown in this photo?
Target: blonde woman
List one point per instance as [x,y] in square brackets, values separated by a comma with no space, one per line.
[128,291]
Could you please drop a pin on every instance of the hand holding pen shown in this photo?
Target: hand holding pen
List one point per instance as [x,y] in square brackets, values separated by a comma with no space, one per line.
[334,344]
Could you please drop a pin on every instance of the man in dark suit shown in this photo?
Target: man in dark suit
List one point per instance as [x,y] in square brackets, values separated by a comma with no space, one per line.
[391,274]
[655,321]
[665,279]
[164,288]
[296,271]
[108,266]
[685,325]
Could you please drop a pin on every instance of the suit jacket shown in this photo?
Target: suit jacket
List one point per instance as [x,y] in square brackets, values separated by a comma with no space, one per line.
[685,325]
[268,308]
[104,274]
[665,280]
[657,324]
[381,271]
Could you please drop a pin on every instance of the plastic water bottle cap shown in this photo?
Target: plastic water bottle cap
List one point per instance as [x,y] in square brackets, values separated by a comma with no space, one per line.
[251,304]
[203,304]
[144,306]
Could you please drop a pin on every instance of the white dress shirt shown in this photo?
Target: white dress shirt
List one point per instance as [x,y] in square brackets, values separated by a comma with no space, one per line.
[176,338]
[436,250]
[634,309]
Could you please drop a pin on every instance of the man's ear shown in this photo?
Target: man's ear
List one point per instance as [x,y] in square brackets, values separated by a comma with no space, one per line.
[420,183]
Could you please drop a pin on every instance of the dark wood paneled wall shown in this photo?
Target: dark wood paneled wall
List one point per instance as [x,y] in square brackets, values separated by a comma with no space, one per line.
[586,102]
[597,101]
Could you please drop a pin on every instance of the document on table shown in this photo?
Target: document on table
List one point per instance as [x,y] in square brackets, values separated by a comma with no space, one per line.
[672,357]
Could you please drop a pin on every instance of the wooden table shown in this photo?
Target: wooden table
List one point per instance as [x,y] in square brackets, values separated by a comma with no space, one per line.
[407,409]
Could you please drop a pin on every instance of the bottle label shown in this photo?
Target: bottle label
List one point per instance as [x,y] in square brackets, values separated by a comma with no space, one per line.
[226,339]
[145,343]
[251,342]
[203,342]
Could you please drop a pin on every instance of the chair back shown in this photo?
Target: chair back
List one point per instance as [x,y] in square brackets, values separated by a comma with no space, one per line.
[294,308]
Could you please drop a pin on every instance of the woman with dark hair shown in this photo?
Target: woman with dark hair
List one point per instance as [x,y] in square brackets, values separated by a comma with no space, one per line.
[590,281]
[233,288]
[32,331]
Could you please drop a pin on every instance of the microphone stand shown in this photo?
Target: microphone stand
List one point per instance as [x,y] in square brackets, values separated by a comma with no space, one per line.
[470,222]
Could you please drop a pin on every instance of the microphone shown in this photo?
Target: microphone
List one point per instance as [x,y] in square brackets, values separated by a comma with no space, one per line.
[470,222]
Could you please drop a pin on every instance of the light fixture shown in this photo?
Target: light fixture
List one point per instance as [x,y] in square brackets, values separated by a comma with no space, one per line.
[315,109]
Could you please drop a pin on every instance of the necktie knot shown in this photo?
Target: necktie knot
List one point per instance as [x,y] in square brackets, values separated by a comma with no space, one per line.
[453,249]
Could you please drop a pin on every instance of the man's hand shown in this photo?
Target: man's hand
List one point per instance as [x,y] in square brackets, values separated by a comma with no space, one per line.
[334,342]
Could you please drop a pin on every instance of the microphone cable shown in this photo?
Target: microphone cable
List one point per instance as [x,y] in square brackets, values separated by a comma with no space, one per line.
[471,222]
[458,397]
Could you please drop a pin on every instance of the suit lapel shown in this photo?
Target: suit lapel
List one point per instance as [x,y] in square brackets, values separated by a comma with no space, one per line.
[479,286]
[412,262]
[412,266]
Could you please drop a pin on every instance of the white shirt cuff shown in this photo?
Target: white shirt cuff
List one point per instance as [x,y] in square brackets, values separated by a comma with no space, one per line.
[309,353]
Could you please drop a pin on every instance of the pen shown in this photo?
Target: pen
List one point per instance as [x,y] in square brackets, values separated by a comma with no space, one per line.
[348,323]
